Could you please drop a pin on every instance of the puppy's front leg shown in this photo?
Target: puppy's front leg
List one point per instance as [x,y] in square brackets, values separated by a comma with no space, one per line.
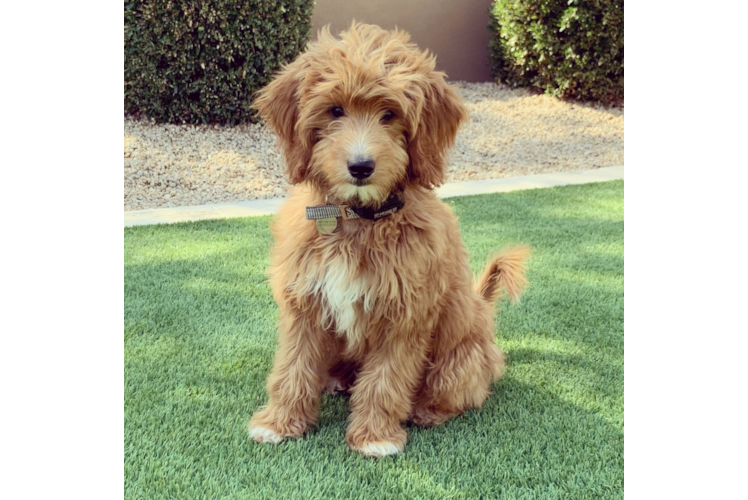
[296,381]
[383,395]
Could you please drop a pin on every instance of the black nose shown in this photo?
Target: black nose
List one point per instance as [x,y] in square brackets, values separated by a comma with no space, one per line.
[361,168]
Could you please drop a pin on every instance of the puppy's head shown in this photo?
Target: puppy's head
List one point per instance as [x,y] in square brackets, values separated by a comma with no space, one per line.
[363,115]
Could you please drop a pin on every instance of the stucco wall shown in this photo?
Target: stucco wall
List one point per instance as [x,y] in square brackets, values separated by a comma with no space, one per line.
[455,30]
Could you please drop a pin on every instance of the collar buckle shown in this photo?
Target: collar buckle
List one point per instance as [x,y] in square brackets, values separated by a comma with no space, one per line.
[344,212]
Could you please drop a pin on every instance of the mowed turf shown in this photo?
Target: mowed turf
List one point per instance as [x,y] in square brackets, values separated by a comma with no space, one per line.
[200,337]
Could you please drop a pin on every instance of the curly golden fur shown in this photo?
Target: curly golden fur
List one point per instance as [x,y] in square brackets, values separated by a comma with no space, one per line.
[383,309]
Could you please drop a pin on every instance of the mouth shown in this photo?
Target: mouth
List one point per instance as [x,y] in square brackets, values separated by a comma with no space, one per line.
[359,182]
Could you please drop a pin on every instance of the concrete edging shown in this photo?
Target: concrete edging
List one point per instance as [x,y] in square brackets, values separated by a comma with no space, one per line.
[268,207]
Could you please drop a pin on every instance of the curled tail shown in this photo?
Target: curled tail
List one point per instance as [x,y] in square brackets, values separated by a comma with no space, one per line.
[505,271]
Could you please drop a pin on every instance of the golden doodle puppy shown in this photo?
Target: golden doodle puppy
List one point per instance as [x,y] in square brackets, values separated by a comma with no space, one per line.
[371,276]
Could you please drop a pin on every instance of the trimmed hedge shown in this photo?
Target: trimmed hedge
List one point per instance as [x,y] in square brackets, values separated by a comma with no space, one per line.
[200,61]
[569,48]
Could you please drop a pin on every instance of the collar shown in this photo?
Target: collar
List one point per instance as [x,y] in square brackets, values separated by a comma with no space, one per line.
[392,205]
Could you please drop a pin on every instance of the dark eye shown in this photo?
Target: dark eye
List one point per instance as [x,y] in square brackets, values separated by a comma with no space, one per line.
[387,116]
[337,112]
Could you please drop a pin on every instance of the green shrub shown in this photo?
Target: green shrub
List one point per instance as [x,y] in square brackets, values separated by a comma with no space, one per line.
[569,48]
[200,61]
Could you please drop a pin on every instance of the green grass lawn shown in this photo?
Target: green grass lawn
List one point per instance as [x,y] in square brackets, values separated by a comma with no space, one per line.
[200,338]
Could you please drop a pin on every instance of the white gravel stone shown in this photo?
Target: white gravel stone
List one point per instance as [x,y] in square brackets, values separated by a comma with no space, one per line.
[511,132]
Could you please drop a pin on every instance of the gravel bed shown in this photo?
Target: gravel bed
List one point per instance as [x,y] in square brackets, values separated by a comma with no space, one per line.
[511,132]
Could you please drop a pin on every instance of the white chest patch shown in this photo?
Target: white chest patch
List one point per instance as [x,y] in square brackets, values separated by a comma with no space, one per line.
[341,289]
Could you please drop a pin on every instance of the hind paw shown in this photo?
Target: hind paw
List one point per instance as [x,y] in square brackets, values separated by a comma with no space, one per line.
[428,417]
[335,387]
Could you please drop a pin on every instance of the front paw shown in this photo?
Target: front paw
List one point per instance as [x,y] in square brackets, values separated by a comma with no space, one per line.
[377,445]
[379,449]
[262,434]
[265,428]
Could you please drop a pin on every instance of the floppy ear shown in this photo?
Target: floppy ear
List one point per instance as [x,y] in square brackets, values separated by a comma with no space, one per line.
[278,105]
[441,115]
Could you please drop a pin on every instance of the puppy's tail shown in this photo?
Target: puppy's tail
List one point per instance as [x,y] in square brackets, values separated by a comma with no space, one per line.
[505,271]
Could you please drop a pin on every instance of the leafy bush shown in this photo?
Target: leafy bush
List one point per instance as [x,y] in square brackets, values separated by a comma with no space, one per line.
[569,48]
[193,61]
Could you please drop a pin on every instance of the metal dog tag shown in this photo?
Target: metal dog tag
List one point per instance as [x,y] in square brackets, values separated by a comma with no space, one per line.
[327,225]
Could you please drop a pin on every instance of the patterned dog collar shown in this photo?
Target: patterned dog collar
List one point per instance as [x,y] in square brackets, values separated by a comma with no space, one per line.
[392,205]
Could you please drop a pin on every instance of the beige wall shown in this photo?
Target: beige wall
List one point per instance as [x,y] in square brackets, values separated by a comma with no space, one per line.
[455,30]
